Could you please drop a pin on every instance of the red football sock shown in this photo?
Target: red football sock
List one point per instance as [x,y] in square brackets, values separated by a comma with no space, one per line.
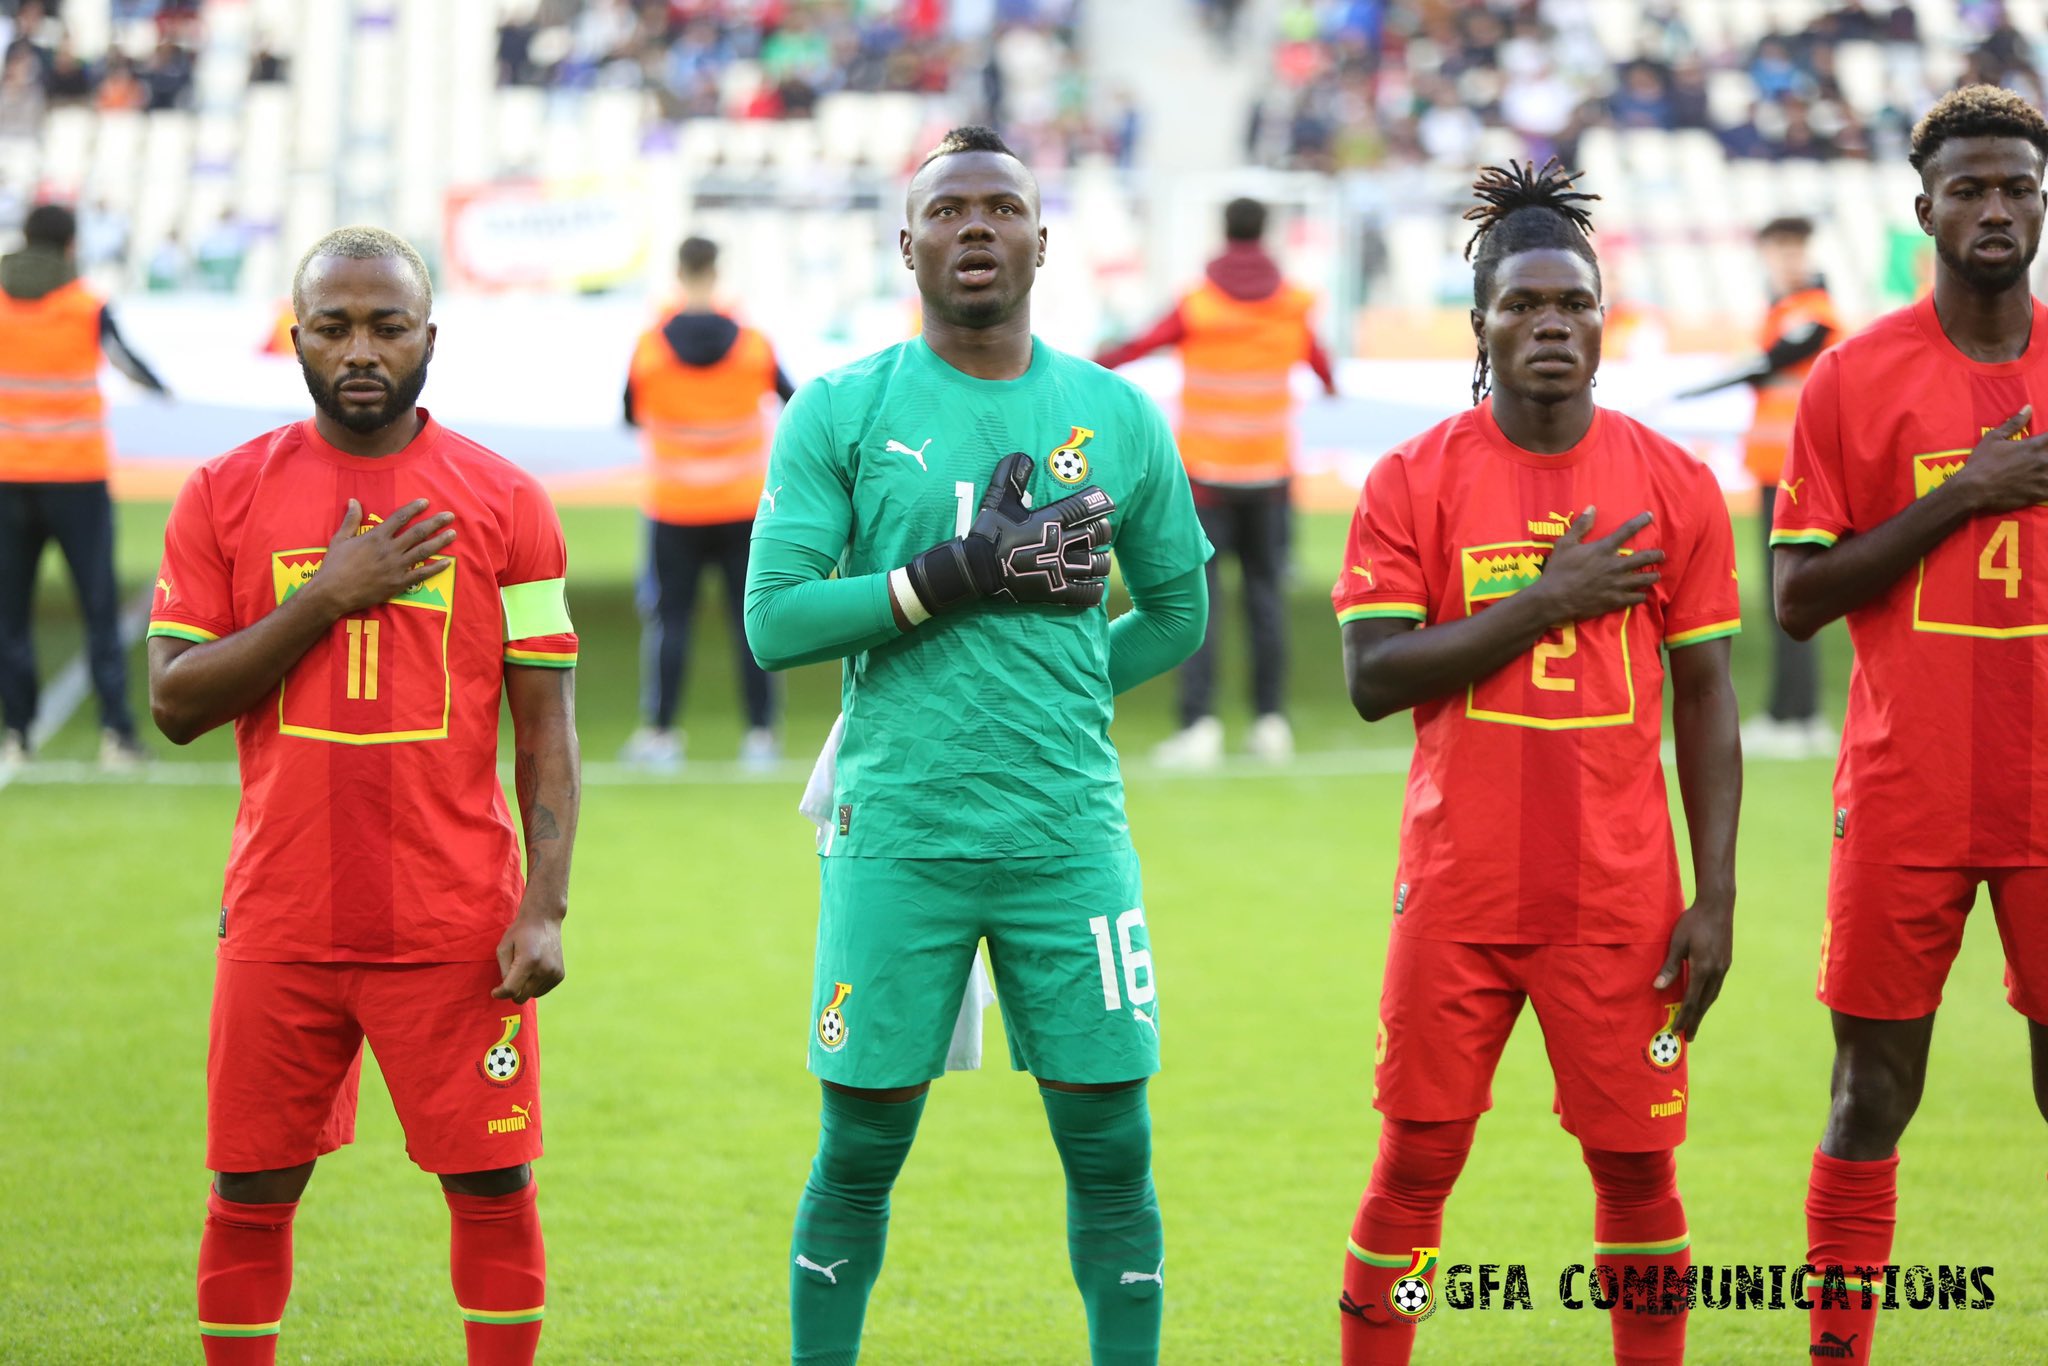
[1402,1213]
[1639,1232]
[245,1276]
[1851,1209]
[499,1268]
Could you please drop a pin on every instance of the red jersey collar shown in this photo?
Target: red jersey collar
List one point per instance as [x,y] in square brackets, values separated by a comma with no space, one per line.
[1498,440]
[423,443]
[1930,326]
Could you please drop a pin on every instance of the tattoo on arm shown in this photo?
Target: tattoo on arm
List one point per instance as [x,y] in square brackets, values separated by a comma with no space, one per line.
[540,820]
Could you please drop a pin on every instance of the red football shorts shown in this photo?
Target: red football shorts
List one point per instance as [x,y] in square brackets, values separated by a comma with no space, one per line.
[286,1050]
[1892,933]
[1446,1010]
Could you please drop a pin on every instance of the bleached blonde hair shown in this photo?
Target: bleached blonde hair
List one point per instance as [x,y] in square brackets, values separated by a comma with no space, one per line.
[361,242]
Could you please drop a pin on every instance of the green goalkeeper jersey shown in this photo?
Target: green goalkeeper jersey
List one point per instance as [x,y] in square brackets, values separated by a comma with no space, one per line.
[983,733]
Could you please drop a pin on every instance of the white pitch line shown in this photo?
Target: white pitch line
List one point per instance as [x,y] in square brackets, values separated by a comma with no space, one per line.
[73,682]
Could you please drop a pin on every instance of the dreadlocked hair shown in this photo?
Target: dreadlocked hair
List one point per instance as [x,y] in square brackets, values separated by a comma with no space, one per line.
[1523,209]
[1976,111]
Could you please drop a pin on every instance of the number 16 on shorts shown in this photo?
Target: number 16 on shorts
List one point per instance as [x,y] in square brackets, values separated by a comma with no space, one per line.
[1126,967]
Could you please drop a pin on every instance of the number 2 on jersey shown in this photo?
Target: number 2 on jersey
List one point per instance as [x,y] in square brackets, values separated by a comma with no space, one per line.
[1566,645]
[1136,961]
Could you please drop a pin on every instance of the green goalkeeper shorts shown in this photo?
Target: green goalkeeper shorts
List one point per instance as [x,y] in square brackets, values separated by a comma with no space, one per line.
[1066,943]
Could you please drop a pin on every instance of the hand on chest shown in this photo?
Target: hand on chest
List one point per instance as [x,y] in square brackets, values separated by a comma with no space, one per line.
[934,476]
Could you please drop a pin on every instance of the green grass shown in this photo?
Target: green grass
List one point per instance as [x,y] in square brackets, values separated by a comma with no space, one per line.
[680,1119]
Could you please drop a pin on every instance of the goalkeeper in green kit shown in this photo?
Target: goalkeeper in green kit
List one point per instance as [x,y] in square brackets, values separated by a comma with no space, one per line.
[968,488]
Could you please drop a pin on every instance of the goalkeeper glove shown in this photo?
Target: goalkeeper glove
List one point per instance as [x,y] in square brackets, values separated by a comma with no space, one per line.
[1016,553]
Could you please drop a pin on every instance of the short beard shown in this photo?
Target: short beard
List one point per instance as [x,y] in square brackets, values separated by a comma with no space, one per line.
[403,393]
[1987,279]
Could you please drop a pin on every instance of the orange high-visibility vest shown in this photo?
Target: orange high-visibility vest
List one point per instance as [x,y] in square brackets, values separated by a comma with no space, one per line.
[706,442]
[52,419]
[1769,439]
[1236,411]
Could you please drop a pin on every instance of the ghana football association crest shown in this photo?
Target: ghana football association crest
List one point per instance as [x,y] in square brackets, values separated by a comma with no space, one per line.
[501,1063]
[832,1020]
[1412,1296]
[1667,1045]
[1068,462]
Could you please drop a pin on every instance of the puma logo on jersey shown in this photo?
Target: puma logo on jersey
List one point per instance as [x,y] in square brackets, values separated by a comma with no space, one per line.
[164,584]
[896,447]
[1145,1019]
[1134,1277]
[768,496]
[1364,571]
[1791,490]
[826,1271]
[1550,524]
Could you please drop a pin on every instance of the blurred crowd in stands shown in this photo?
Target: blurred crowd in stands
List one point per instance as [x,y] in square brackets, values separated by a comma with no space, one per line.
[150,69]
[1360,83]
[1015,61]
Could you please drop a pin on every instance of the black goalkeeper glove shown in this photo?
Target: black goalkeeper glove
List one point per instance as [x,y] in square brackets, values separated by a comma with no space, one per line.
[1017,553]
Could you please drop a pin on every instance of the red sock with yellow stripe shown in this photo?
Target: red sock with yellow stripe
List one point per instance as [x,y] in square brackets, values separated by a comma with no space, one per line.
[245,1277]
[499,1268]
[1639,1234]
[1402,1211]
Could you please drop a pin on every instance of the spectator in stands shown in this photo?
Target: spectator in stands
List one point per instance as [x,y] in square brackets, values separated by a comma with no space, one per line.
[54,334]
[695,391]
[1642,100]
[167,77]
[69,80]
[21,97]
[220,252]
[266,67]
[119,88]
[102,236]
[168,265]
[1240,333]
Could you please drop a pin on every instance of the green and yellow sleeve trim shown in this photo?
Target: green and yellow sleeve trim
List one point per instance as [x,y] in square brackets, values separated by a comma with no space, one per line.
[1712,631]
[239,1330]
[1813,537]
[542,659]
[1379,1259]
[1665,1249]
[1367,611]
[533,1315]
[182,630]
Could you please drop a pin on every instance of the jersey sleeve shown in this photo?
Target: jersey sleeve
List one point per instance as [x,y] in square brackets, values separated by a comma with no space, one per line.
[1159,537]
[194,597]
[1811,506]
[1382,571]
[808,497]
[533,586]
[1706,602]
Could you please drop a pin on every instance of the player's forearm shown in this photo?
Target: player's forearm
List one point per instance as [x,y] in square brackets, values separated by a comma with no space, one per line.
[1705,726]
[1163,627]
[795,615]
[193,688]
[1816,585]
[1391,667]
[546,780]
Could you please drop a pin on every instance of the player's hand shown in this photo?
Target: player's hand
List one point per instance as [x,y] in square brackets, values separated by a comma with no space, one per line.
[2003,474]
[360,571]
[1703,942]
[1016,553]
[530,957]
[1585,579]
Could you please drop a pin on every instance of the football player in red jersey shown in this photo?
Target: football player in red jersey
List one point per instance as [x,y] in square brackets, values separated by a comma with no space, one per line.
[1914,507]
[374,888]
[1518,575]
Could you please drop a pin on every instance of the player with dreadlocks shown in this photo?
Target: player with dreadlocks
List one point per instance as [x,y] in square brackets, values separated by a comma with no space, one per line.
[1914,508]
[1518,575]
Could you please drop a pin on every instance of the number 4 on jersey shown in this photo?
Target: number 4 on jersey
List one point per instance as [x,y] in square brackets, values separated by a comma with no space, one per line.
[1137,963]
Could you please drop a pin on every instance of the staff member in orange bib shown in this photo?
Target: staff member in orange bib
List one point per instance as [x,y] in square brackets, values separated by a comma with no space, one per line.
[54,332]
[695,392]
[1240,333]
[1800,324]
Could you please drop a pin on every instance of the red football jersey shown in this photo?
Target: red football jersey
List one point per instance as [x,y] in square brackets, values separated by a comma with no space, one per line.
[372,826]
[1945,749]
[1536,811]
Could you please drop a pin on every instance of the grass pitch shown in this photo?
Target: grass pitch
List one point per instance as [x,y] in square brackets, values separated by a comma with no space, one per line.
[680,1120]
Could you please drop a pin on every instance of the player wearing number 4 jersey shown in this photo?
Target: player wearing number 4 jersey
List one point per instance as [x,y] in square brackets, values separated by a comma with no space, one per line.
[1517,575]
[1914,506]
[373,884]
[968,487]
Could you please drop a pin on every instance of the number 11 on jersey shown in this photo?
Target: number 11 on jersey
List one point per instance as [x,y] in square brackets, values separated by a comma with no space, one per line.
[1136,961]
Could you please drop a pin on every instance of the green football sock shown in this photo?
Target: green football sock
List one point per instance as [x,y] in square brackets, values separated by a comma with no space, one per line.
[1114,1239]
[842,1224]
